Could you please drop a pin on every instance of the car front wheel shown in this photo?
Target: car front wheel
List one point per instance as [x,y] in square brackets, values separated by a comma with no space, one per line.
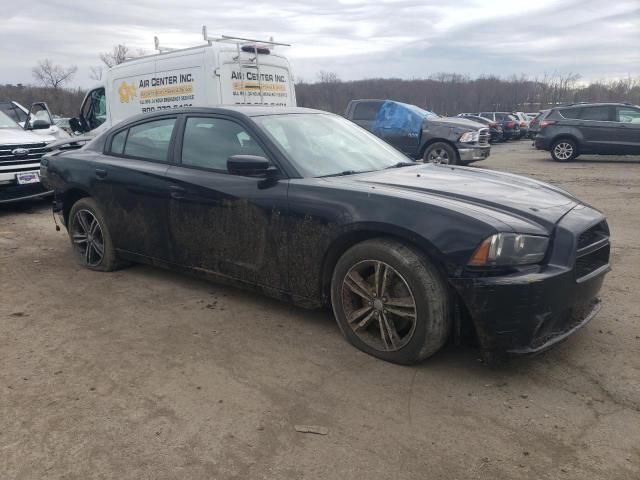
[564,150]
[440,153]
[90,237]
[390,302]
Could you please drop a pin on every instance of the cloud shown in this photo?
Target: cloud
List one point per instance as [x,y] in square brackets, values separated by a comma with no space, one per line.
[354,38]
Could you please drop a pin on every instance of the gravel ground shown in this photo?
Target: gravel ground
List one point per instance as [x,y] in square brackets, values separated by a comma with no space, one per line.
[148,374]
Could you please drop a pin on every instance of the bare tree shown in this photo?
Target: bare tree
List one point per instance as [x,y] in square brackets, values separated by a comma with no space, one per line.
[116,56]
[51,75]
[95,72]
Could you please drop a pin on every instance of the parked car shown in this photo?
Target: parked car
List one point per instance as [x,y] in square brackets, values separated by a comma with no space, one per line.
[524,123]
[421,134]
[306,206]
[534,126]
[599,128]
[495,129]
[38,111]
[510,124]
[20,152]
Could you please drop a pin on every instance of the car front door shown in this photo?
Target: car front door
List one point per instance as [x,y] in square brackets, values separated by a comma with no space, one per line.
[130,185]
[222,223]
[627,129]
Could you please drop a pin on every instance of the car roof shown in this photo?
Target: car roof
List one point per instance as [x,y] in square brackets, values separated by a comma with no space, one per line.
[596,104]
[231,110]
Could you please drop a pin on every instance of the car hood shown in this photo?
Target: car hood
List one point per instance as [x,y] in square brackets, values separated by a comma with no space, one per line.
[501,195]
[16,136]
[457,122]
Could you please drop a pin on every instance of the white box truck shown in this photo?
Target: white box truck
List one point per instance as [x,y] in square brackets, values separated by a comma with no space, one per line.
[224,71]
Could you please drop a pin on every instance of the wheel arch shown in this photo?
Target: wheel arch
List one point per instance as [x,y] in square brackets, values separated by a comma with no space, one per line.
[565,136]
[352,237]
[69,198]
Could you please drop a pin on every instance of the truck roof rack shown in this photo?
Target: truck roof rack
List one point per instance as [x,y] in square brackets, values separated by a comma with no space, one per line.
[246,45]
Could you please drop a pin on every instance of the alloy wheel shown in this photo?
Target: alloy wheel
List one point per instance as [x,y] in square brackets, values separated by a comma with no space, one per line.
[87,238]
[438,155]
[563,151]
[379,305]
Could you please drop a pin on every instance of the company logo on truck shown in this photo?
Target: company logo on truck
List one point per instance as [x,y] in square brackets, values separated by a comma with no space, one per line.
[127,92]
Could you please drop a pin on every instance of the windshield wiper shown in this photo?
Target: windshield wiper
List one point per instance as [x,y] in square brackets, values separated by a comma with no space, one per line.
[342,174]
[402,164]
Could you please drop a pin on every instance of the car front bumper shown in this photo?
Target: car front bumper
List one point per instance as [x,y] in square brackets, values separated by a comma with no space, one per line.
[473,154]
[530,311]
[15,193]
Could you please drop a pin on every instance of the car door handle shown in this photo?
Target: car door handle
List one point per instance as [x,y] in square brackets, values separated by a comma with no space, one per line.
[101,173]
[176,191]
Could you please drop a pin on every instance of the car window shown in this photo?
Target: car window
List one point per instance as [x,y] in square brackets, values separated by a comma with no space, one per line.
[628,115]
[150,140]
[94,109]
[595,113]
[209,142]
[117,142]
[366,110]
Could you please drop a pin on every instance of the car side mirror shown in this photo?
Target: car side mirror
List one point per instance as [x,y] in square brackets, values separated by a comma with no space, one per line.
[40,125]
[248,165]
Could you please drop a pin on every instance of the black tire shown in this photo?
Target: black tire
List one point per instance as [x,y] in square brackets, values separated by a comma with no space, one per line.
[564,150]
[84,210]
[440,152]
[410,277]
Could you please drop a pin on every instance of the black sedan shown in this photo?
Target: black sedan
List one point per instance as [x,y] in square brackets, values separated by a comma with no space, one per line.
[310,208]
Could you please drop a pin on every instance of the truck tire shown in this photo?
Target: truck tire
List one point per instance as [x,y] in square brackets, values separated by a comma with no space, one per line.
[440,152]
[390,301]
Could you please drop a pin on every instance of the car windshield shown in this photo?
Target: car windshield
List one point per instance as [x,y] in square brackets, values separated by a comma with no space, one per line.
[325,144]
[6,121]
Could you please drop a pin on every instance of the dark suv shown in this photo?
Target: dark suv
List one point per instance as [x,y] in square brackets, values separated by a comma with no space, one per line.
[600,128]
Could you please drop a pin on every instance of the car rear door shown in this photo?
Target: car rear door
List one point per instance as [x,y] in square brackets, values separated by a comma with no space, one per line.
[627,129]
[130,186]
[227,224]
[598,128]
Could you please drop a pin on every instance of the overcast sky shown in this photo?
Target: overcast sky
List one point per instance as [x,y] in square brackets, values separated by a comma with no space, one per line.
[353,38]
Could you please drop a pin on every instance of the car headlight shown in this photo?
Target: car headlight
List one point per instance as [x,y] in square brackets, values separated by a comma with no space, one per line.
[470,137]
[510,249]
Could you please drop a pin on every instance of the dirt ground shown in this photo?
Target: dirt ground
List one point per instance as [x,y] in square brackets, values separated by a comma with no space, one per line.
[148,374]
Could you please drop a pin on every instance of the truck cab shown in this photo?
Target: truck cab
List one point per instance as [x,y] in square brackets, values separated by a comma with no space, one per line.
[223,71]
[421,134]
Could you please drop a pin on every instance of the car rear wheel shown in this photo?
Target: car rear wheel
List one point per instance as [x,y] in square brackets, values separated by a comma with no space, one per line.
[390,302]
[564,150]
[440,153]
[90,237]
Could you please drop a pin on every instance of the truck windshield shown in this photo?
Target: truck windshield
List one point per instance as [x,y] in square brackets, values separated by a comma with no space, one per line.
[322,145]
[6,121]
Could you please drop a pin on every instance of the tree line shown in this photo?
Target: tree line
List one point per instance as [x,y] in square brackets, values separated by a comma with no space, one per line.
[443,93]
[452,93]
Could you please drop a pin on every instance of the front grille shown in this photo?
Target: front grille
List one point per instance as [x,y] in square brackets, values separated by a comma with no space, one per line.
[592,261]
[593,235]
[593,250]
[484,136]
[35,151]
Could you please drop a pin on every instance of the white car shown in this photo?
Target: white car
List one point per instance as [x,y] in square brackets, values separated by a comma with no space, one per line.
[20,152]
